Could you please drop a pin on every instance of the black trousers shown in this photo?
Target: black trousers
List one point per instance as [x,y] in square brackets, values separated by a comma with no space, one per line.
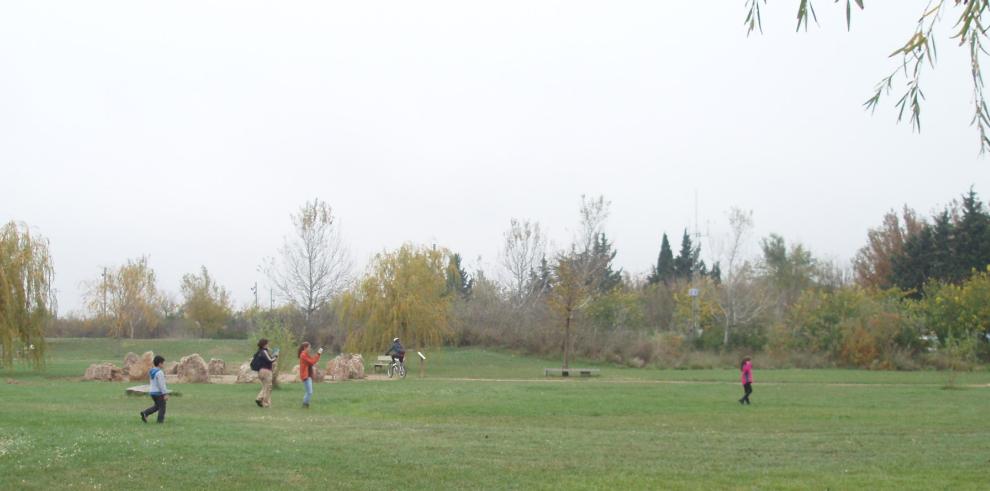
[748,387]
[159,407]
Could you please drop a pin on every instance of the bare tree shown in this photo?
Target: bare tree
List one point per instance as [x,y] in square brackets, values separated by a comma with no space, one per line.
[521,253]
[313,264]
[594,212]
[741,299]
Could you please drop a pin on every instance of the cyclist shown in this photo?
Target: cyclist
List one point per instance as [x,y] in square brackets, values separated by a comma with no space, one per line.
[397,351]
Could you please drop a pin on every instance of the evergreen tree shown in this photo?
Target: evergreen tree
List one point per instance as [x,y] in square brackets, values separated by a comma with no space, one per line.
[972,238]
[603,254]
[686,263]
[458,280]
[664,269]
[541,279]
[912,267]
[716,273]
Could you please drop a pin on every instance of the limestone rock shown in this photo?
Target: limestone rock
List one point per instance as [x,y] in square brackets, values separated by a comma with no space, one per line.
[318,375]
[138,371]
[107,372]
[245,375]
[217,367]
[171,368]
[192,369]
[345,367]
[130,359]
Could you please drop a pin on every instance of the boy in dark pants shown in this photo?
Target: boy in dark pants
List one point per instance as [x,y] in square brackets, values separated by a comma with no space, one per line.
[158,391]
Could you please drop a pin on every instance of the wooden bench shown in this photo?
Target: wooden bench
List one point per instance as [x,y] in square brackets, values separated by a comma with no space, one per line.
[567,372]
[382,362]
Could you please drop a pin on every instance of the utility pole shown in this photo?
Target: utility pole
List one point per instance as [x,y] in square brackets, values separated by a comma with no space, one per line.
[104,291]
[693,292]
[254,289]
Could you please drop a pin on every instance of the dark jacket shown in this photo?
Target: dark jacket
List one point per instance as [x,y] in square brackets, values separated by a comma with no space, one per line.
[266,359]
[396,349]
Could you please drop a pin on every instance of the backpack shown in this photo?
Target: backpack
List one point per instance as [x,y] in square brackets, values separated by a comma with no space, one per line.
[256,361]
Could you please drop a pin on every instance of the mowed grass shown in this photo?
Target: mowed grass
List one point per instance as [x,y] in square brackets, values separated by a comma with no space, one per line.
[488,419]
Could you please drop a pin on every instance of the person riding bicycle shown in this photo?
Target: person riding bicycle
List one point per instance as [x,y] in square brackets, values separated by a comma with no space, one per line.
[397,351]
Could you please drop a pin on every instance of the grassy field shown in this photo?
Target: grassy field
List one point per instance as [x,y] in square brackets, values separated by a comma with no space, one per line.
[486,419]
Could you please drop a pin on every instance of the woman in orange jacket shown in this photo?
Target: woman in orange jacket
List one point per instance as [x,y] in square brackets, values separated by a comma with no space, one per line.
[306,366]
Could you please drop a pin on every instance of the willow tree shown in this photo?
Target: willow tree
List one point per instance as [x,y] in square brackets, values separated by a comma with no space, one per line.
[26,298]
[404,295]
[968,26]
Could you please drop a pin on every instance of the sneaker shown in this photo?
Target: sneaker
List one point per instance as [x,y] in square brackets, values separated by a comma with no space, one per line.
[258,402]
[143,417]
[305,406]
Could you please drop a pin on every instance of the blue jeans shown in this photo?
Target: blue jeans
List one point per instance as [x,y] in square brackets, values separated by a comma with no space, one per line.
[308,384]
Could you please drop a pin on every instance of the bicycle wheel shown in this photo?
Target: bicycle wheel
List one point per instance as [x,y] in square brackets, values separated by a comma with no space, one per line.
[391,370]
[402,371]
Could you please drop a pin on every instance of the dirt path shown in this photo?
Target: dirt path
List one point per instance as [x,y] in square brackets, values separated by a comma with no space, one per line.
[290,379]
[695,382]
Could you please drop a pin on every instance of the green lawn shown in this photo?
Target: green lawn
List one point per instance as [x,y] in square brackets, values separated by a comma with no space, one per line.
[629,429]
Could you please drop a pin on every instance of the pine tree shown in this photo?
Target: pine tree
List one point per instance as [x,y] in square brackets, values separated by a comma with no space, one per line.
[664,269]
[603,253]
[686,260]
[541,279]
[912,267]
[458,280]
[716,273]
[972,238]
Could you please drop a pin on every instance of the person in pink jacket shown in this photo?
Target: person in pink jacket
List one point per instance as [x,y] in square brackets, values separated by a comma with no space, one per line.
[747,379]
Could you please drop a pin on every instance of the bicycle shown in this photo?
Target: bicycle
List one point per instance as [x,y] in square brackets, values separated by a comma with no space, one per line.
[396,367]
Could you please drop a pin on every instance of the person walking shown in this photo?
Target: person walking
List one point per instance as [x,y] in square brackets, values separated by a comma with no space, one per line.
[306,366]
[157,389]
[747,379]
[265,362]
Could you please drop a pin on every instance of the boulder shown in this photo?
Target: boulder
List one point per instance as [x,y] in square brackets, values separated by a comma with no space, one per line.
[138,371]
[171,368]
[346,366]
[318,375]
[130,359]
[217,367]
[192,369]
[107,372]
[245,375]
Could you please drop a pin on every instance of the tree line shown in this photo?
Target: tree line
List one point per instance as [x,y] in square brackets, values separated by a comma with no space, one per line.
[916,294]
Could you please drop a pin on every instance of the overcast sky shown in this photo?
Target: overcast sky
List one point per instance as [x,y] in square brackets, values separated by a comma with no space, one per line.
[189,131]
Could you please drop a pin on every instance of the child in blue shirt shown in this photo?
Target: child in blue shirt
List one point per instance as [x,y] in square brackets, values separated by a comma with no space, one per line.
[158,391]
